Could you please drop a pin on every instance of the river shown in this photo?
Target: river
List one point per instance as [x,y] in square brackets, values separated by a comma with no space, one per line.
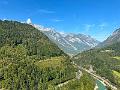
[100,85]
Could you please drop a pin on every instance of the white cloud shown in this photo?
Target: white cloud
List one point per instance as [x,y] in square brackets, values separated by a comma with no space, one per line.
[57,20]
[102,25]
[40,11]
[88,26]
[29,21]
[45,11]
[99,26]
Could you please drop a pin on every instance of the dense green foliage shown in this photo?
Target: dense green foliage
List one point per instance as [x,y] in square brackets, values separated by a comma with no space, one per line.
[14,33]
[22,49]
[22,73]
[103,61]
[86,82]
[117,76]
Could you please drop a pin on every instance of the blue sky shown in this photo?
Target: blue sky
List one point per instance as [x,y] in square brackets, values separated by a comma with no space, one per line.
[98,18]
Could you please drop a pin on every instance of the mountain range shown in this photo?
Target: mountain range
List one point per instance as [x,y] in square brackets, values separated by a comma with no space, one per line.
[72,44]
[28,51]
[29,60]
[104,58]
[113,38]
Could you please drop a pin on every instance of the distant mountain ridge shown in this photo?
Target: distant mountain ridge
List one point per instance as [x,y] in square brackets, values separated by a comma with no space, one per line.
[71,44]
[114,38]
[104,58]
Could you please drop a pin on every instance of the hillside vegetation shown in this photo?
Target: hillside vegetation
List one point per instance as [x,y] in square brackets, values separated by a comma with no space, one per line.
[112,39]
[103,61]
[86,82]
[29,60]
[13,33]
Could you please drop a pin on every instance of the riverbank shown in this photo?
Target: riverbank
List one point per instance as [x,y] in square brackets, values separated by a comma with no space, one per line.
[101,85]
[96,87]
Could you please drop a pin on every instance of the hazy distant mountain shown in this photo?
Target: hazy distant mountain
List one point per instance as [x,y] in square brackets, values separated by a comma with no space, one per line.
[114,38]
[71,44]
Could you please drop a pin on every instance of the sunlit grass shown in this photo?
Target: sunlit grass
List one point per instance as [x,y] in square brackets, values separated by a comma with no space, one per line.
[116,75]
[118,58]
[52,62]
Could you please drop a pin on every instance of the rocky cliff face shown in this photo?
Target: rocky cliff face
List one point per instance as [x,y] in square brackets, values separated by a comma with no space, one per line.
[71,44]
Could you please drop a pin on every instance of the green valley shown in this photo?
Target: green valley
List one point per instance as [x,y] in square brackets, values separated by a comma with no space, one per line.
[103,61]
[22,49]
[59,45]
[30,61]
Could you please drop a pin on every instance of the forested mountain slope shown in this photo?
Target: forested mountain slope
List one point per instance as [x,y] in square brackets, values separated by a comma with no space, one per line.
[22,48]
[13,33]
[30,61]
[112,39]
[105,62]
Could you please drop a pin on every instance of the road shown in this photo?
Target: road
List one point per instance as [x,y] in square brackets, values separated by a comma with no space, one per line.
[105,82]
[61,84]
[78,76]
